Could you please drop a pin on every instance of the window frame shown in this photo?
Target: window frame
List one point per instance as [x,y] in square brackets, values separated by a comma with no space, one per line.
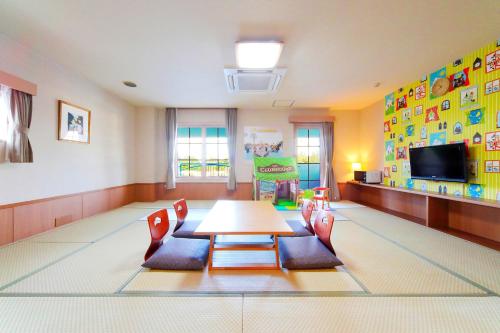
[321,147]
[203,178]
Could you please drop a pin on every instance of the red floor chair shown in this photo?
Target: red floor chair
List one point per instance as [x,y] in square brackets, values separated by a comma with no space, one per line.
[313,252]
[299,230]
[323,225]
[174,253]
[307,210]
[158,228]
[185,228]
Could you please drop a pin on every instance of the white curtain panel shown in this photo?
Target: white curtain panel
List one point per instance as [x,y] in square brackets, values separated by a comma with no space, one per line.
[231,126]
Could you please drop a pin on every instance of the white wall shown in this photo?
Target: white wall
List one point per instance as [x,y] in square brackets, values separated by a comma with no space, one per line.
[146,144]
[63,167]
[151,150]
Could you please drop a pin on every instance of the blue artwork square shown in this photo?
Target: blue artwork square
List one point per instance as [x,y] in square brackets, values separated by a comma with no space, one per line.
[410,130]
[438,138]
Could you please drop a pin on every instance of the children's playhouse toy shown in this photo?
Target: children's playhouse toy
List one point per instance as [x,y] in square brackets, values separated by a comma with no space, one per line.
[276,179]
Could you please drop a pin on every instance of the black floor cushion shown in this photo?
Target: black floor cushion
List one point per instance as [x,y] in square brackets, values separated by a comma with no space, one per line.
[186,230]
[306,253]
[180,254]
[298,229]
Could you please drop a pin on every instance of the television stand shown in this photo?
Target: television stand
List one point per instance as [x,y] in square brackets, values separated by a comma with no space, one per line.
[477,220]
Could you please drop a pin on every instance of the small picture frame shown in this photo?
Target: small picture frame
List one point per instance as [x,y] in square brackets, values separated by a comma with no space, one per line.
[469,97]
[73,123]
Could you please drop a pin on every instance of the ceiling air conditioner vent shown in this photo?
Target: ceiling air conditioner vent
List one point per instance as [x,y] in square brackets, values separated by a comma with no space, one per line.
[253,81]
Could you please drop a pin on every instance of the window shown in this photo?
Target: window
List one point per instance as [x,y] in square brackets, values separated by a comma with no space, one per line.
[4,109]
[202,152]
[308,156]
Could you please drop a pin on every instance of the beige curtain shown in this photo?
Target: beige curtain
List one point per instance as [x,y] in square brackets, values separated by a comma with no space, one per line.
[231,125]
[19,146]
[328,178]
[171,137]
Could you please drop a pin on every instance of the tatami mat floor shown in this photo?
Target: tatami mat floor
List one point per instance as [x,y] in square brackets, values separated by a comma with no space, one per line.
[470,260]
[398,277]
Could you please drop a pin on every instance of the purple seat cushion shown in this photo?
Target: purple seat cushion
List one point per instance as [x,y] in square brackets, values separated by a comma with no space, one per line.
[298,229]
[306,253]
[180,254]
[186,230]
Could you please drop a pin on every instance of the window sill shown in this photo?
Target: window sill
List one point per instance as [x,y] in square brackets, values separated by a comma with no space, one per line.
[201,179]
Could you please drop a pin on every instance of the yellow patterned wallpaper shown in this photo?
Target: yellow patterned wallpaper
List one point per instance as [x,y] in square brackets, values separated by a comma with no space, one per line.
[469,111]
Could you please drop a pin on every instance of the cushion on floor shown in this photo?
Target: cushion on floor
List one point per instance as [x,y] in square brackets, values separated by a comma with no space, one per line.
[299,230]
[180,254]
[305,253]
[186,230]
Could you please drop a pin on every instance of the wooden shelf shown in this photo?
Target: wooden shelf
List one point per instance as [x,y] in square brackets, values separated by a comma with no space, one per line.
[477,220]
[475,201]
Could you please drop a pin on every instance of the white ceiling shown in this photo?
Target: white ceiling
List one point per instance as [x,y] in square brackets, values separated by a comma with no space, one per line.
[335,50]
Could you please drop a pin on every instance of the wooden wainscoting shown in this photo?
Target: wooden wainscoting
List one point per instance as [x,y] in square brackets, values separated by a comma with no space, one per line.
[24,219]
[6,225]
[193,191]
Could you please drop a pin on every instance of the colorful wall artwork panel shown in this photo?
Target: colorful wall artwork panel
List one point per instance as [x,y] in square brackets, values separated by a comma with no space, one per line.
[458,103]
[262,142]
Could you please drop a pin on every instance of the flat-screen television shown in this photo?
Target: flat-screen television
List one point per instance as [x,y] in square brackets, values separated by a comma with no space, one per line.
[442,162]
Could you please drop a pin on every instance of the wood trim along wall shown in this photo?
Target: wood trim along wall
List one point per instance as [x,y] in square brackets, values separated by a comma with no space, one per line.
[194,191]
[25,219]
[17,83]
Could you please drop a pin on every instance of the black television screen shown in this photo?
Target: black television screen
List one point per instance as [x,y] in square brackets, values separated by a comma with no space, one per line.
[442,162]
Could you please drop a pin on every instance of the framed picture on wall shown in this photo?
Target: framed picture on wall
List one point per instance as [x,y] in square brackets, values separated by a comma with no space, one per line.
[73,123]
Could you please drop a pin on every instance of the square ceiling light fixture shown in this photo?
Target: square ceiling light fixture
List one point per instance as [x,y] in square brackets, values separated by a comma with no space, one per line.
[258,55]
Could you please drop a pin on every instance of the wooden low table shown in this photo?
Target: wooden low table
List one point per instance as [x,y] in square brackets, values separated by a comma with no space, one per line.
[243,218]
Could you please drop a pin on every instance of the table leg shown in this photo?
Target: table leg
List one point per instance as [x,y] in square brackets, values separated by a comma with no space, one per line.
[276,251]
[211,252]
